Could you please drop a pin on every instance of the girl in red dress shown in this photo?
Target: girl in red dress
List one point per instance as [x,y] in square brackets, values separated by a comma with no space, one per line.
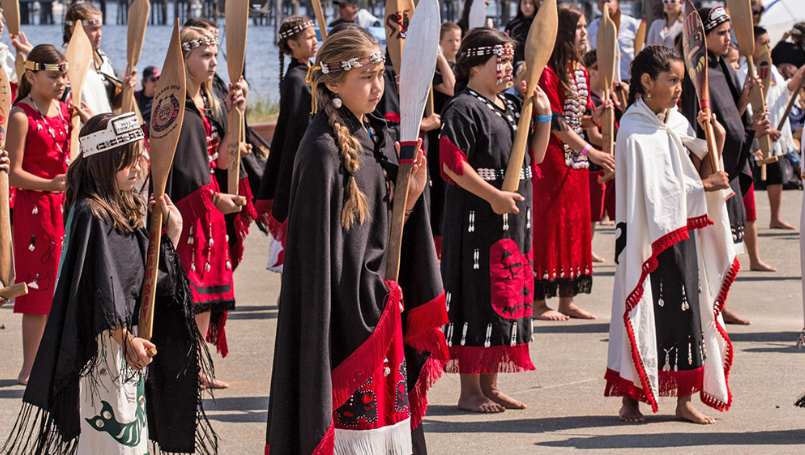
[562,238]
[39,150]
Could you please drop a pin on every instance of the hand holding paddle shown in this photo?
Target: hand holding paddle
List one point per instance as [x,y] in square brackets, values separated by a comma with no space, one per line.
[538,49]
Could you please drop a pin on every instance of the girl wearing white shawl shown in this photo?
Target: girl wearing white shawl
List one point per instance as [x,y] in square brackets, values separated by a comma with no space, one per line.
[674,252]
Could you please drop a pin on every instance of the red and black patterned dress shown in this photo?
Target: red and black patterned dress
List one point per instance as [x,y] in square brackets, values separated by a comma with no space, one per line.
[38,226]
[563,252]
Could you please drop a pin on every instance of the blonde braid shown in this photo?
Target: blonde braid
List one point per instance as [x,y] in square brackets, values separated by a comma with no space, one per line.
[356,207]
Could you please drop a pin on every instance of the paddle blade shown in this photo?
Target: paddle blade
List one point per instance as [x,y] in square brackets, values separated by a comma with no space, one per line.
[11,11]
[742,25]
[79,57]
[477,16]
[418,65]
[640,38]
[319,18]
[540,41]
[607,42]
[138,21]
[237,23]
[167,113]
[695,47]
[397,19]
[764,69]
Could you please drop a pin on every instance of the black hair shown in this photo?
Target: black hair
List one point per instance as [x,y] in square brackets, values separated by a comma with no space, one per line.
[652,60]
[590,60]
[759,31]
[477,37]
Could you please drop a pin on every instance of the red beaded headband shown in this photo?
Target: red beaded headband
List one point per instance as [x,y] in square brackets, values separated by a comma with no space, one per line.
[498,50]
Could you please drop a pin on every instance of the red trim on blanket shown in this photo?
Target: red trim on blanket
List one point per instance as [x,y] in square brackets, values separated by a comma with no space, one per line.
[263,207]
[708,399]
[327,444]
[216,334]
[699,222]
[242,222]
[681,383]
[418,396]
[423,328]
[618,387]
[353,372]
[452,157]
[392,117]
[494,359]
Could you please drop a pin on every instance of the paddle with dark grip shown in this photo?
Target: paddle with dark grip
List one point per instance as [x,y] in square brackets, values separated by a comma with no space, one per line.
[742,25]
[538,49]
[138,21]
[764,73]
[11,12]
[237,22]
[416,75]
[79,57]
[167,116]
[695,47]
[9,290]
[607,41]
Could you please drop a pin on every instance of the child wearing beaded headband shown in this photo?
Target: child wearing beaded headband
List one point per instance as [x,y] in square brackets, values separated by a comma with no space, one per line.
[339,220]
[486,232]
[297,39]
[38,146]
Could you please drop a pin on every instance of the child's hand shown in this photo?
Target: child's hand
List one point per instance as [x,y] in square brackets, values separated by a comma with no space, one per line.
[717,181]
[431,122]
[136,355]
[84,112]
[506,202]
[541,104]
[4,161]
[230,203]
[58,184]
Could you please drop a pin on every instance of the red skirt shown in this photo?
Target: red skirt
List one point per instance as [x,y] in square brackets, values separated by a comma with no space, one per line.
[38,235]
[749,204]
[602,197]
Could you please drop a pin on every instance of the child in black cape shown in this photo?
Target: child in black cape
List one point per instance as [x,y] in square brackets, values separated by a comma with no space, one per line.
[88,388]
[351,371]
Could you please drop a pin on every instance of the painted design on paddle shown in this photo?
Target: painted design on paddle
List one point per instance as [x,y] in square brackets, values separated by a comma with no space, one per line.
[165,113]
[128,434]
[398,23]
[763,70]
[695,48]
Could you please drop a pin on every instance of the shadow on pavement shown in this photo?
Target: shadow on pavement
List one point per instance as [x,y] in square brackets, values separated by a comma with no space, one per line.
[563,327]
[662,440]
[254,312]
[766,278]
[768,337]
[547,424]
[245,409]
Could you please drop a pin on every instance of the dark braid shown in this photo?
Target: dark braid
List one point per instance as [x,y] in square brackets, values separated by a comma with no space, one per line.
[282,43]
[652,60]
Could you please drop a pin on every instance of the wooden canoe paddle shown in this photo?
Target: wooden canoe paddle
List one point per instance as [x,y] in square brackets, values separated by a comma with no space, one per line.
[695,48]
[237,23]
[741,17]
[640,38]
[11,11]
[790,105]
[538,49]
[320,19]
[477,17]
[167,116]
[764,73]
[416,75]
[138,21]
[79,57]
[606,48]
[397,20]
[9,290]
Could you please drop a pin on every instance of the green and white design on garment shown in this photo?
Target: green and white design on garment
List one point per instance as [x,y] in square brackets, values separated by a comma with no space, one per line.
[127,434]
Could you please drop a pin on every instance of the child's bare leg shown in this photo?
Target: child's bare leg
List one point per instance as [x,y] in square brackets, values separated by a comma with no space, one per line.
[472,397]
[203,323]
[630,411]
[567,307]
[544,312]
[686,411]
[489,387]
[33,326]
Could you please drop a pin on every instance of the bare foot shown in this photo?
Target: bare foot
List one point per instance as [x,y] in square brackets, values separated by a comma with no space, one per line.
[630,411]
[494,394]
[597,258]
[780,224]
[545,313]
[761,266]
[575,312]
[479,403]
[686,411]
[732,318]
[214,384]
[23,377]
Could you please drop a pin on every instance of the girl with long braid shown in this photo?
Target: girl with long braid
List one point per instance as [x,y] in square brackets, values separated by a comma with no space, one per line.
[365,361]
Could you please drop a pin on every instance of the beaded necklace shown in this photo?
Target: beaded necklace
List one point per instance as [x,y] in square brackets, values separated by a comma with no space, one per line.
[50,129]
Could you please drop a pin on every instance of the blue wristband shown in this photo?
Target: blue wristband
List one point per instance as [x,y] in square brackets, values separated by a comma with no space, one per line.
[544,118]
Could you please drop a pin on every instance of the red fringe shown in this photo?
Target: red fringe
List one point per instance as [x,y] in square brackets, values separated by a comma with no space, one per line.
[353,372]
[392,117]
[243,220]
[263,208]
[196,204]
[699,222]
[216,334]
[423,328]
[452,157]
[418,397]
[618,387]
[494,359]
[707,399]
[681,383]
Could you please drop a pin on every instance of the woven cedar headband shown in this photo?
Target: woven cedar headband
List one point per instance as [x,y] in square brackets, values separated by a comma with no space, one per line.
[192,44]
[298,28]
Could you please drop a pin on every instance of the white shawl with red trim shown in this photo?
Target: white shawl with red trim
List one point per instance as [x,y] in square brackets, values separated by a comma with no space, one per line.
[660,200]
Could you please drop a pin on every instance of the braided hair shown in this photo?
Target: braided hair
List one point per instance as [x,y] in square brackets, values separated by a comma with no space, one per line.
[652,60]
[282,42]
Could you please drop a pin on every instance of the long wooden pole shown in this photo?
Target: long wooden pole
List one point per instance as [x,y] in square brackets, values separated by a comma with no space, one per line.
[319,18]
[607,49]
[237,23]
[11,11]
[79,57]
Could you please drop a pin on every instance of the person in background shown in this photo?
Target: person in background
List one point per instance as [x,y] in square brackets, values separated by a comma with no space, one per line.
[145,97]
[793,51]
[518,27]
[350,11]
[665,30]
[626,35]
[757,11]
[733,57]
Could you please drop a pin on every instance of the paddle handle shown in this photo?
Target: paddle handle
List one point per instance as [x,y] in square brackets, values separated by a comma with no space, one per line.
[15,290]
[511,181]
[608,133]
[790,106]
[127,99]
[235,123]
[6,246]
[398,212]
[429,103]
[19,65]
[758,102]
[710,136]
[74,130]
[320,19]
[146,323]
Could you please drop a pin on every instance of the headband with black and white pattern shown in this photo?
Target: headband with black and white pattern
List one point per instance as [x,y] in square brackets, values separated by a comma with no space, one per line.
[296,29]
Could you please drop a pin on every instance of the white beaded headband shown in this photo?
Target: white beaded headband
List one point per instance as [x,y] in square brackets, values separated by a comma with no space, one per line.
[296,29]
[120,130]
[36,66]
[498,50]
[347,65]
[84,22]
[192,44]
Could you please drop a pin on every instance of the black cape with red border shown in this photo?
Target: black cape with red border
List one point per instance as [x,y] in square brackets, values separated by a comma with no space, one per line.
[330,332]
[98,289]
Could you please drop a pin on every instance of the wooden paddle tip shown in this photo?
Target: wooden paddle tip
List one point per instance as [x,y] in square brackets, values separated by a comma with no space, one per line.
[769,160]
[151,352]
[606,178]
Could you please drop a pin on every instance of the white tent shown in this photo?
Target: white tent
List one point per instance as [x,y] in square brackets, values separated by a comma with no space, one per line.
[780,16]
